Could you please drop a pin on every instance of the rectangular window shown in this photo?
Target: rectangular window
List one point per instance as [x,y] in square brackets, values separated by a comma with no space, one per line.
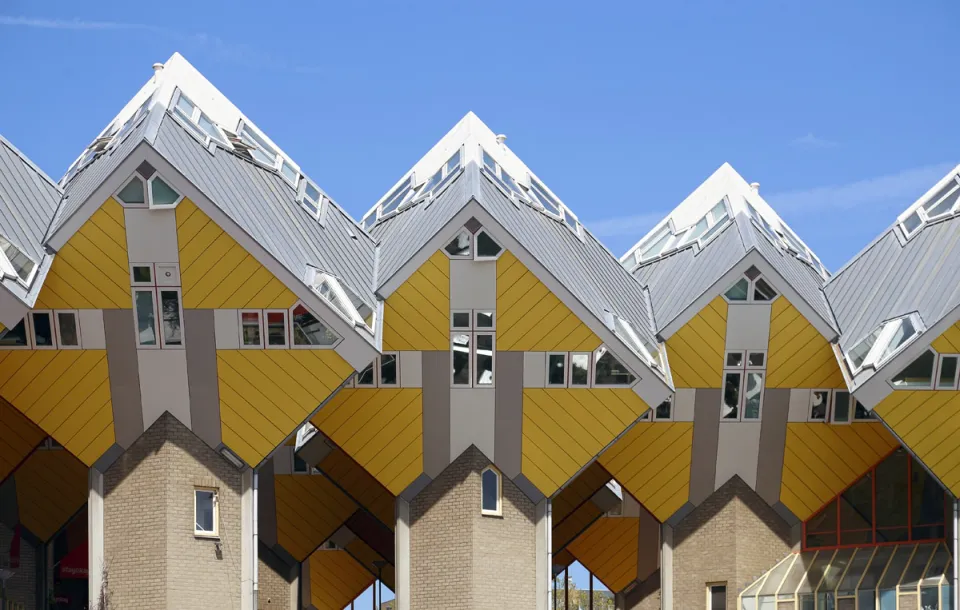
[460,348]
[172,317]
[664,409]
[579,370]
[947,375]
[484,359]
[276,328]
[68,331]
[556,370]
[41,323]
[753,396]
[141,275]
[819,405]
[460,320]
[145,313]
[300,465]
[367,377]
[717,597]
[251,332]
[731,395]
[756,360]
[743,385]
[841,407]
[206,513]
[389,374]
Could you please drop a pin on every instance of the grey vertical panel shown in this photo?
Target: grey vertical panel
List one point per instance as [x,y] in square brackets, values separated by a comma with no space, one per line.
[509,412]
[648,546]
[267,505]
[122,363]
[773,438]
[706,432]
[436,412]
[9,512]
[201,347]
[305,591]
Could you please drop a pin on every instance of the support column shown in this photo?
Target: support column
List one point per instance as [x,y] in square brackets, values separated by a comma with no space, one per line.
[666,569]
[544,555]
[247,544]
[306,594]
[402,555]
[95,536]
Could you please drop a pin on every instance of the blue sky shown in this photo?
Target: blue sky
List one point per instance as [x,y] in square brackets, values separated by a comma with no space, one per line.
[844,112]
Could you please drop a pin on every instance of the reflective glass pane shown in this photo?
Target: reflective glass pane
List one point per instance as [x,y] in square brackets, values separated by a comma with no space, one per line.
[941,203]
[580,369]
[484,319]
[388,369]
[460,246]
[734,359]
[204,511]
[146,317]
[663,409]
[738,292]
[133,192]
[42,329]
[948,371]
[161,194]
[461,319]
[762,291]
[486,246]
[841,406]
[752,396]
[491,490]
[610,371]
[14,337]
[859,352]
[461,359]
[904,332]
[365,377]
[142,274]
[917,374]
[819,402]
[250,326]
[556,369]
[308,330]
[67,322]
[731,396]
[276,328]
[912,222]
[170,307]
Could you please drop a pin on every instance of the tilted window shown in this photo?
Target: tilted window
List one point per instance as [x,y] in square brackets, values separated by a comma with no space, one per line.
[15,336]
[884,342]
[608,371]
[308,330]
[14,263]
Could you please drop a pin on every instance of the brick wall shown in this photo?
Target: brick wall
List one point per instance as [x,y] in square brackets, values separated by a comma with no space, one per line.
[646,595]
[462,559]
[733,537]
[152,557]
[21,588]
[276,581]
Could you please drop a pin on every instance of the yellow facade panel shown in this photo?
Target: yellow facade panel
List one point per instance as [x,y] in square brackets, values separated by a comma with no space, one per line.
[91,271]
[51,488]
[581,489]
[381,429]
[821,460]
[359,485]
[928,422]
[609,549]
[310,508]
[696,350]
[949,341]
[799,356]
[20,437]
[416,316]
[336,579]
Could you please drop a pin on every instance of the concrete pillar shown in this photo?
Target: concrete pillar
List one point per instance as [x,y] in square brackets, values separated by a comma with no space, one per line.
[402,555]
[95,536]
[544,555]
[666,569]
[306,598]
[247,545]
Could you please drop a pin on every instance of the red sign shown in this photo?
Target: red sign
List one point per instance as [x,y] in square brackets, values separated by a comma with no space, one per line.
[74,564]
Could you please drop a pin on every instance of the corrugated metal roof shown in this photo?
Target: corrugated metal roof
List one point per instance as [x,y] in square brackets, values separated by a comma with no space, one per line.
[263,204]
[28,201]
[889,280]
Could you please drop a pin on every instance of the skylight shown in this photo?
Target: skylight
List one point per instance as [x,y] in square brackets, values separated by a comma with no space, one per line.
[310,197]
[700,232]
[785,238]
[14,263]
[884,342]
[941,204]
[265,154]
[407,193]
[648,351]
[441,178]
[347,302]
[106,140]
[199,123]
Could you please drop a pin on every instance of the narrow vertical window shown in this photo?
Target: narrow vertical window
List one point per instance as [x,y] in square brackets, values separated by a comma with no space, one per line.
[461,359]
[250,331]
[484,359]
[731,395]
[819,405]
[68,333]
[556,369]
[490,493]
[579,370]
[841,407]
[717,597]
[146,316]
[947,377]
[205,513]
[366,377]
[276,328]
[389,376]
[753,395]
[664,409]
[42,323]
[743,385]
[172,327]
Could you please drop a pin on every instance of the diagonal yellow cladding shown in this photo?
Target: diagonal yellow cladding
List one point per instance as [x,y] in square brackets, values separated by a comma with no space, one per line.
[799,356]
[696,350]
[416,317]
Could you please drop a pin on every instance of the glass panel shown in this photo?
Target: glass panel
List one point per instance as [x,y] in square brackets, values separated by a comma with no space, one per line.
[610,371]
[484,359]
[734,359]
[901,556]
[20,262]
[912,222]
[67,322]
[856,512]
[461,319]
[858,564]
[250,326]
[486,246]
[941,203]
[460,246]
[484,319]
[917,374]
[948,371]
[815,574]
[867,600]
[755,358]
[42,330]
[762,291]
[398,196]
[276,328]
[796,573]
[204,511]
[580,369]
[718,597]
[861,411]
[300,464]
[822,527]
[663,409]
[836,570]
[170,306]
[888,599]
[549,203]
[432,182]
[927,504]
[461,359]
[556,369]
[142,274]
[288,172]
[656,247]
[938,565]
[731,396]
[308,330]
[752,396]
[807,602]
[365,377]
[208,126]
[891,492]
[699,229]
[819,401]
[914,572]
[719,226]
[872,575]
[388,369]
[490,490]
[841,406]
[904,332]
[738,292]
[133,192]
[946,597]
[489,163]
[859,352]
[161,194]
[146,317]
[453,162]
[14,337]
[929,598]
[772,584]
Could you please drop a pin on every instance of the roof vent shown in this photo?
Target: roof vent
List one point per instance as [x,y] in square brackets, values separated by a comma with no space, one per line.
[157,69]
[501,138]
[755,187]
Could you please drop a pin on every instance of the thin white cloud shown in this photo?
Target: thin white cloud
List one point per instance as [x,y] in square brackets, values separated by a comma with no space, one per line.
[811,141]
[71,24]
[901,188]
[619,226]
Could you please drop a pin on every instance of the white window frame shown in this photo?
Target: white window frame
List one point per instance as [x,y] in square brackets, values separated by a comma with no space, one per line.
[851,408]
[710,587]
[476,356]
[476,253]
[32,333]
[59,336]
[302,194]
[374,367]
[378,376]
[918,207]
[742,373]
[595,358]
[744,370]
[159,300]
[468,313]
[245,126]
[483,329]
[934,375]
[939,367]
[569,365]
[216,512]
[153,276]
[889,328]
[309,309]
[473,249]
[445,179]
[156,316]
[146,200]
[499,510]
[149,187]
[194,119]
[259,313]
[746,360]
[470,362]
[265,324]
[828,416]
[566,370]
[751,288]
[28,335]
[351,315]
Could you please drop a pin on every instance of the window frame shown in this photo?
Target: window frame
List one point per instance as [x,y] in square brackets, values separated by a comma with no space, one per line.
[59,337]
[447,176]
[259,314]
[744,370]
[569,366]
[751,290]
[215,493]
[470,318]
[476,252]
[27,336]
[378,370]
[476,357]
[374,376]
[595,359]
[243,127]
[156,316]
[194,120]
[939,367]
[493,318]
[874,358]
[139,284]
[653,410]
[498,512]
[265,326]
[566,370]
[919,210]
[293,344]
[470,348]
[851,408]
[126,183]
[183,339]
[709,591]
[826,416]
[32,331]
[460,257]
[302,183]
[934,374]
[149,193]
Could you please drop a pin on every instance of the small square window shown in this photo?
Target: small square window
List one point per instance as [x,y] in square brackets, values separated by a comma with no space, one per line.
[141,275]
[389,375]
[484,319]
[556,369]
[251,334]
[734,359]
[460,320]
[276,329]
[756,360]
[206,513]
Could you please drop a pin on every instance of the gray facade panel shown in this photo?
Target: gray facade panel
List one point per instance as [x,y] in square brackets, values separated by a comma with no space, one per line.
[773,438]
[436,412]
[706,438]
[28,201]
[508,432]
[203,384]
[267,505]
[122,361]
